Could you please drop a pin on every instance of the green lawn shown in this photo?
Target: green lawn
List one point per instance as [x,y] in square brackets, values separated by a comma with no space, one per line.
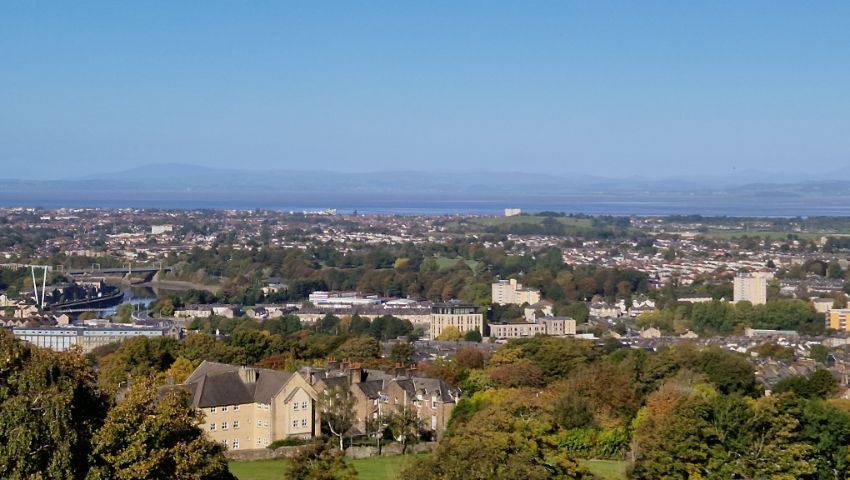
[606,469]
[444,263]
[376,468]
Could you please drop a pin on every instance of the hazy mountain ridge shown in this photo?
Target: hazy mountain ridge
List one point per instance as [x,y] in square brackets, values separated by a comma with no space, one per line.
[184,178]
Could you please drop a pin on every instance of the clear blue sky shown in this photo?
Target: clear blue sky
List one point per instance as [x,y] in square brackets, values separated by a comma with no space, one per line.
[607,88]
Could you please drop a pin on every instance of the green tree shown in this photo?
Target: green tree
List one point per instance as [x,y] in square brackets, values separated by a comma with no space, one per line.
[166,308]
[153,436]
[506,438]
[402,353]
[320,461]
[405,425]
[473,336]
[450,334]
[136,357]
[50,406]
[124,313]
[359,349]
[337,409]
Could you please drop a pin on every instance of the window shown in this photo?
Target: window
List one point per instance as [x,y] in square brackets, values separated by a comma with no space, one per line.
[295,406]
[224,425]
[212,427]
[304,404]
[304,422]
[434,404]
[259,423]
[235,444]
[294,423]
[266,423]
[212,409]
[224,442]
[224,409]
[235,424]
[259,441]
[236,408]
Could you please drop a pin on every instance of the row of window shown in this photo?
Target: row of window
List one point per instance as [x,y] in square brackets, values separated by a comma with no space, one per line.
[224,425]
[224,408]
[304,405]
[234,445]
[303,423]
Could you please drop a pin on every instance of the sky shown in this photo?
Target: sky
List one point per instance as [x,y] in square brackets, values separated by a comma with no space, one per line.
[603,88]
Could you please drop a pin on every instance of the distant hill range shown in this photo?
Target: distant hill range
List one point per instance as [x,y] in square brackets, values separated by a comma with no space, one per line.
[182,178]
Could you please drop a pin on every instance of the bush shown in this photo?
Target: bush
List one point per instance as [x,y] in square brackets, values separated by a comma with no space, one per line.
[287,442]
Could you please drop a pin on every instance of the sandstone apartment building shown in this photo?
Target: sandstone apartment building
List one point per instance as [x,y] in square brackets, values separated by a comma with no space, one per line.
[248,408]
[509,292]
[553,326]
[462,316]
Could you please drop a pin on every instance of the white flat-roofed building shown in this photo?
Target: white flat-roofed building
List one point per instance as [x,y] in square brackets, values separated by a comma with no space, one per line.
[86,337]
[553,326]
[328,299]
[506,292]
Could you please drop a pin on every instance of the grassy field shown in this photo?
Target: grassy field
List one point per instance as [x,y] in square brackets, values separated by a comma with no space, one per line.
[389,468]
[444,263]
[606,469]
[376,468]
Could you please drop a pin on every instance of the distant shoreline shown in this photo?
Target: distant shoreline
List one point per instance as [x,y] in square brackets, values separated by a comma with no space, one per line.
[590,204]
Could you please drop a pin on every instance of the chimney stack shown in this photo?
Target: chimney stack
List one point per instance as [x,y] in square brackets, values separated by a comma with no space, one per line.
[355,373]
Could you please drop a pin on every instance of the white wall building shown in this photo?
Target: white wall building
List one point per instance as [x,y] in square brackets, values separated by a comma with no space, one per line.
[751,287]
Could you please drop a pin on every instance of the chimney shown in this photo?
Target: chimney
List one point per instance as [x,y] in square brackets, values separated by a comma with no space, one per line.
[248,375]
[355,374]
[332,364]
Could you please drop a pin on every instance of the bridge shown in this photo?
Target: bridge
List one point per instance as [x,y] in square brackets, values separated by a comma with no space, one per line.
[88,304]
[126,270]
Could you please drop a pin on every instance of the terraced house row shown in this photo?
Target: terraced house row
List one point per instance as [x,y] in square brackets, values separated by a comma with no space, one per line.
[248,408]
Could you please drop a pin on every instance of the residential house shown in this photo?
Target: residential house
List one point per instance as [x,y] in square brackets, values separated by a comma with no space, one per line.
[248,408]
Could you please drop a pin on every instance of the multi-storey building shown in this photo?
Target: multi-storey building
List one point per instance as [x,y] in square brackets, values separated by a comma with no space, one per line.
[554,326]
[838,319]
[247,407]
[751,287]
[462,316]
[87,337]
[378,394]
[510,292]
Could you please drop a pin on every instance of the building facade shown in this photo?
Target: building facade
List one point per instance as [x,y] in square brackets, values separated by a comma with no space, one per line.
[378,394]
[462,316]
[750,287]
[554,326]
[61,338]
[838,319]
[248,408]
[505,292]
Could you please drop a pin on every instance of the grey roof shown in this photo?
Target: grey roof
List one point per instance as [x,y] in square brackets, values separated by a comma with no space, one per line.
[372,389]
[217,384]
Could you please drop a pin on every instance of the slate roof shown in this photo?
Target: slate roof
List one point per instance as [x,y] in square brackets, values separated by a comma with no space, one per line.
[217,384]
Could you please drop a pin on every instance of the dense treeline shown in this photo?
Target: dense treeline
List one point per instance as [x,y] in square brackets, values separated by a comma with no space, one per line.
[430,272]
[724,318]
[279,343]
[56,423]
[535,406]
